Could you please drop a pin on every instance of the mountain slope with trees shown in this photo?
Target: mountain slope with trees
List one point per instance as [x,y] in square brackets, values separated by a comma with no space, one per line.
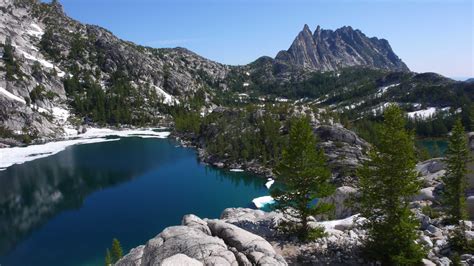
[88,72]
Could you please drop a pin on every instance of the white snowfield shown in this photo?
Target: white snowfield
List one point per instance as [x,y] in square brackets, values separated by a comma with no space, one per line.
[35,30]
[381,107]
[383,90]
[236,170]
[12,96]
[19,155]
[167,98]
[423,114]
[260,202]
[44,63]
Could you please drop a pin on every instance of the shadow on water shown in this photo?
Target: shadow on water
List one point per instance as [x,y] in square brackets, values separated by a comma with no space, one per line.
[236,178]
[32,193]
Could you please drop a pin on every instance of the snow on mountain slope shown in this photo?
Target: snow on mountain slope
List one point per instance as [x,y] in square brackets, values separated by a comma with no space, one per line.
[12,96]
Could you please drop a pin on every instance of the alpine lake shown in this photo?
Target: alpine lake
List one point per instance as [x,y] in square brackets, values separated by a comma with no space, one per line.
[66,208]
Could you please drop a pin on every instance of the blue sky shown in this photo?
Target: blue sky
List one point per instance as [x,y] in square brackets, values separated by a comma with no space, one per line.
[429,35]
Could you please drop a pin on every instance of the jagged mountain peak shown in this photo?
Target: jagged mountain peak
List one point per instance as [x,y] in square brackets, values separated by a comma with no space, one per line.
[344,47]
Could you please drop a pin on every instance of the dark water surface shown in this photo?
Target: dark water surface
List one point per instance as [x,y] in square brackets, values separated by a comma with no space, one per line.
[65,209]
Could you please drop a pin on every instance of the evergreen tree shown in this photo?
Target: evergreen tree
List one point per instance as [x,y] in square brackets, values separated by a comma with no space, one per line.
[387,182]
[108,258]
[11,65]
[455,179]
[270,139]
[303,171]
[48,44]
[116,252]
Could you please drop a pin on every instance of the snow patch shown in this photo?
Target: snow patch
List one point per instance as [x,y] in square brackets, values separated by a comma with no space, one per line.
[143,133]
[12,96]
[45,63]
[35,30]
[339,224]
[60,114]
[260,202]
[167,98]
[281,100]
[236,170]
[381,108]
[423,114]
[243,96]
[19,155]
[383,90]
[246,84]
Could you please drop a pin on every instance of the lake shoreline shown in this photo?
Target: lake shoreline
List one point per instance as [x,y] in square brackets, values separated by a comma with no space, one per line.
[77,192]
[187,140]
[20,154]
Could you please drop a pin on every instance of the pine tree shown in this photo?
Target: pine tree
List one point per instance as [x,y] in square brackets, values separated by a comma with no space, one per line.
[387,182]
[303,171]
[11,65]
[108,258]
[116,252]
[455,179]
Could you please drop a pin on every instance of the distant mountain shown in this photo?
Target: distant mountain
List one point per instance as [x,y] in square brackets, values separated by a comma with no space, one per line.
[52,65]
[470,80]
[345,47]
[56,73]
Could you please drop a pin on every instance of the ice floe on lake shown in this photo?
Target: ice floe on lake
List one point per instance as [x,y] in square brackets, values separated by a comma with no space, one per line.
[269,183]
[260,202]
[19,155]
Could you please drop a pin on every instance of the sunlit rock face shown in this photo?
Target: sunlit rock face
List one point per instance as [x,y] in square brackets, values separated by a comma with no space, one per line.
[328,50]
[211,242]
[169,74]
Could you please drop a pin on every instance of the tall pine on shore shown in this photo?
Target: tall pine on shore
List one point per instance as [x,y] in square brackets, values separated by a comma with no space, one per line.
[455,179]
[116,251]
[306,177]
[114,254]
[387,182]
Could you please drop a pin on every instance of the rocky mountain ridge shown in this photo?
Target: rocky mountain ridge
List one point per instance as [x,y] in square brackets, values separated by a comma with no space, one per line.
[328,50]
[60,69]
[48,47]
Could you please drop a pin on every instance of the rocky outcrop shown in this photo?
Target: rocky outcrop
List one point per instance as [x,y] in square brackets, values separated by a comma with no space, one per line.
[209,242]
[345,47]
[344,238]
[169,73]
[345,151]
[252,237]
[340,199]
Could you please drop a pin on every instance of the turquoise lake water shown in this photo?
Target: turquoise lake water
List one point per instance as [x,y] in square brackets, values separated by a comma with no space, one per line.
[65,209]
[436,147]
